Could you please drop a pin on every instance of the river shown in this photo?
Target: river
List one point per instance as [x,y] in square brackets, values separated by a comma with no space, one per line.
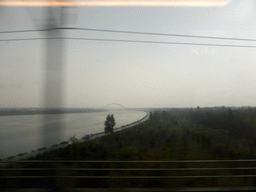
[24,133]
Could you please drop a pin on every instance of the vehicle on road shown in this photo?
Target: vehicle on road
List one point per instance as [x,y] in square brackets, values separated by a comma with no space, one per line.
[87,136]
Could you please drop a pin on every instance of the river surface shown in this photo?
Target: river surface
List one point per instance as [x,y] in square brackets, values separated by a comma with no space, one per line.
[24,133]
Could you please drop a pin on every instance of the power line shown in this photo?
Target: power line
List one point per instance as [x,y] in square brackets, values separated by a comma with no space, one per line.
[127,41]
[162,34]
[130,32]
[26,31]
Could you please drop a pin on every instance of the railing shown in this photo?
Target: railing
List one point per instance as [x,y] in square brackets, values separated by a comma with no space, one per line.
[170,175]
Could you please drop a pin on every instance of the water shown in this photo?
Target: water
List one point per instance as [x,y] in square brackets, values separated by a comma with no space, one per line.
[24,133]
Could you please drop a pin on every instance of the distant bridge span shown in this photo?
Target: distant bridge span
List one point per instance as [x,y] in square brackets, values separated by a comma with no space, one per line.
[114,104]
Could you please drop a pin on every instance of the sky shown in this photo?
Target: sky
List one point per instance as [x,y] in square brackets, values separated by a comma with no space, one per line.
[142,75]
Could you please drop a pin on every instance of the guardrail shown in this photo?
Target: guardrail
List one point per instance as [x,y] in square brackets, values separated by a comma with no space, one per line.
[164,172]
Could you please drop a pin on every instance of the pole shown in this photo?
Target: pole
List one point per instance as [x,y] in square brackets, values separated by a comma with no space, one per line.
[53,93]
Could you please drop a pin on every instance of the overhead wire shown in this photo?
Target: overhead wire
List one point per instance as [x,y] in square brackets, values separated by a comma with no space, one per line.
[127,41]
[128,32]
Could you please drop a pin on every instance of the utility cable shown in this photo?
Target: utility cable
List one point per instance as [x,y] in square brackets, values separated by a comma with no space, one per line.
[129,32]
[127,41]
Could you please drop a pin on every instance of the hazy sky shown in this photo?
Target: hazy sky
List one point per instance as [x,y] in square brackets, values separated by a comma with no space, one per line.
[135,74]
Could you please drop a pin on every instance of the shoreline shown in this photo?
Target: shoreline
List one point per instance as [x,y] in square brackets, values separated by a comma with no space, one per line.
[63,144]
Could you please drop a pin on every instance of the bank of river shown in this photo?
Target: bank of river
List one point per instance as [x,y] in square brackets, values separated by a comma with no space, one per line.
[24,134]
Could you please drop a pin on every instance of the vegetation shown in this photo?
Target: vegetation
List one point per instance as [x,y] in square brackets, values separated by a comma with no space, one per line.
[73,139]
[21,154]
[40,149]
[10,157]
[109,124]
[170,135]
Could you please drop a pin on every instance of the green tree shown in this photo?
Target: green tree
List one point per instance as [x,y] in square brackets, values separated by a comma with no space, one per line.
[151,116]
[109,124]
[165,115]
[73,139]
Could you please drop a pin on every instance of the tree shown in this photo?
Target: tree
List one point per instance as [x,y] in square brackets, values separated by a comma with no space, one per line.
[109,124]
[151,116]
[165,115]
[73,139]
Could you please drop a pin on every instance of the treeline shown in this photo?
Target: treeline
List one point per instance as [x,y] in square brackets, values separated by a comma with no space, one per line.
[237,127]
[240,122]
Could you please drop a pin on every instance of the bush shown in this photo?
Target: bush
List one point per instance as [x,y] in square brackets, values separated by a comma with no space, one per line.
[126,153]
[219,151]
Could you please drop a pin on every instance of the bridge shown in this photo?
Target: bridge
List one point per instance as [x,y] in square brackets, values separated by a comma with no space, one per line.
[114,104]
[129,109]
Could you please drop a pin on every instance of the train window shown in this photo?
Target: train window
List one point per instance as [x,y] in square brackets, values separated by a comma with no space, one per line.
[127,94]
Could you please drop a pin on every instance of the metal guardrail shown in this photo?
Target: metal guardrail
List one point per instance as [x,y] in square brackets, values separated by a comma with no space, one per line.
[116,169]
[136,190]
